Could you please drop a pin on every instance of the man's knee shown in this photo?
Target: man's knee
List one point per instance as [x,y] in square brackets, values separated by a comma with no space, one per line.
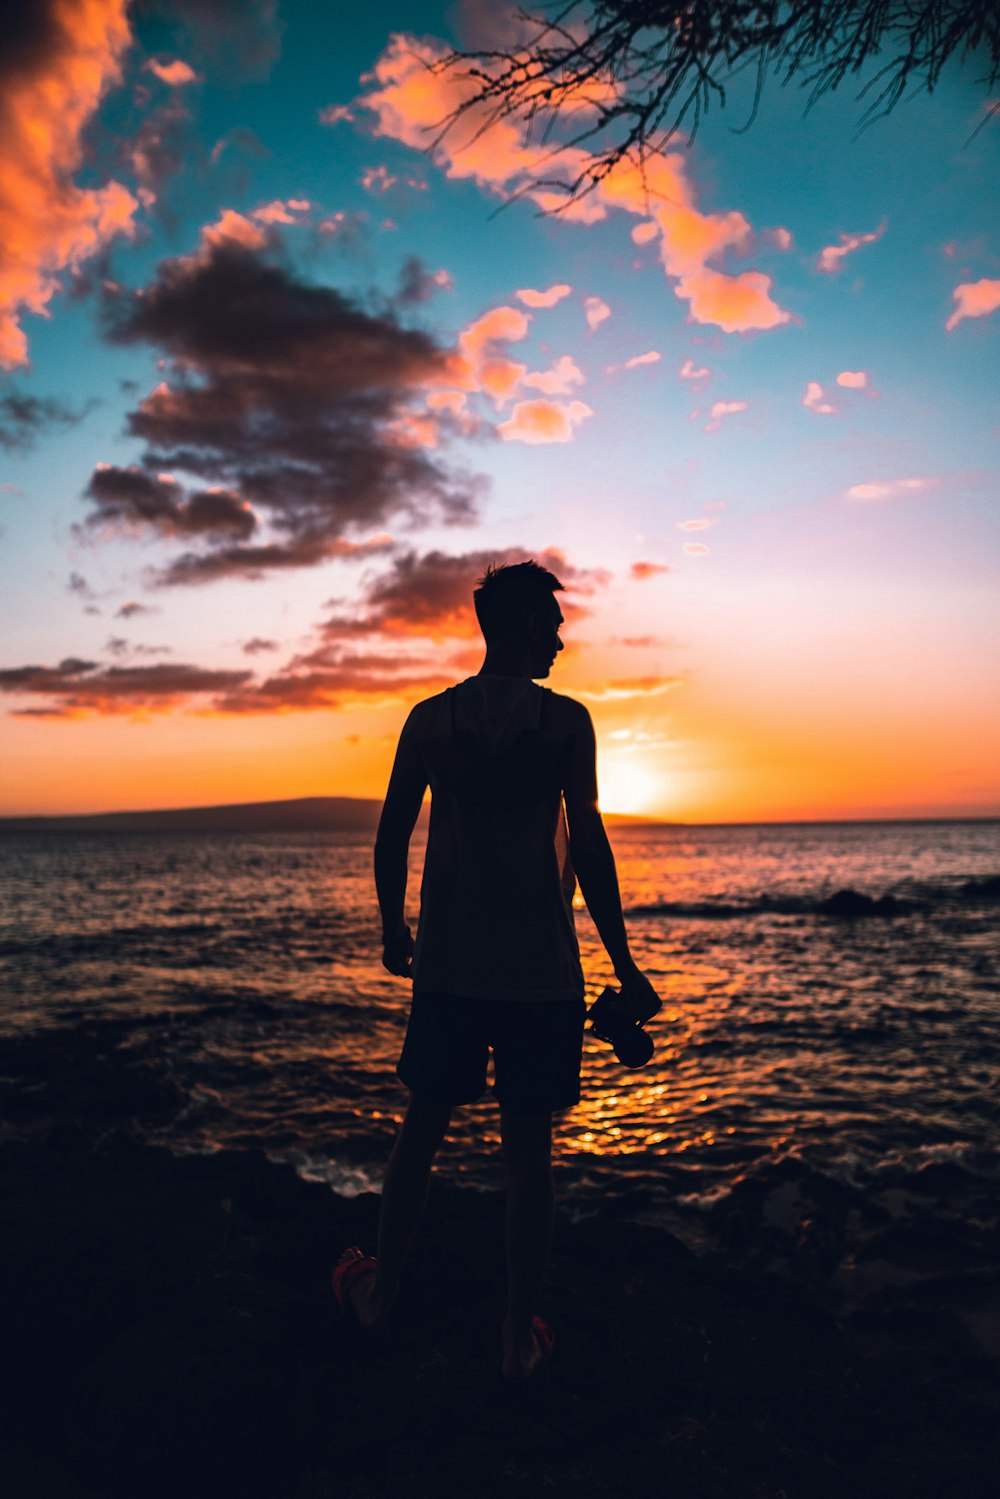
[426,1122]
[527,1141]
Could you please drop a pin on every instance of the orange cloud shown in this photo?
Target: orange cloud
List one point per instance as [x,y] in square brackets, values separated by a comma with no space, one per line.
[628,687]
[543,421]
[695,525]
[974,299]
[413,96]
[47,96]
[695,549]
[738,304]
[543,298]
[640,571]
[831,259]
[853,379]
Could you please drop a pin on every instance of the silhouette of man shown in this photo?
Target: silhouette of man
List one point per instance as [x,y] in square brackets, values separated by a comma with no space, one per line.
[496,963]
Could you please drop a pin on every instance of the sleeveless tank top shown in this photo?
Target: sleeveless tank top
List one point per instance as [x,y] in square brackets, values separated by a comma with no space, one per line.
[496,912]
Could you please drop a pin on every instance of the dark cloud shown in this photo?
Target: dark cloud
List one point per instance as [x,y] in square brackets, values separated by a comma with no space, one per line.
[255,646]
[306,550]
[130,497]
[432,594]
[232,36]
[287,396]
[342,678]
[241,139]
[162,145]
[76,687]
[131,609]
[31,33]
[78,584]
[118,646]
[427,596]
[24,418]
[418,284]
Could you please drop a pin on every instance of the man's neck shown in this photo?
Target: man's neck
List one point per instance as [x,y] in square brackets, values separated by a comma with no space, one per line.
[503,664]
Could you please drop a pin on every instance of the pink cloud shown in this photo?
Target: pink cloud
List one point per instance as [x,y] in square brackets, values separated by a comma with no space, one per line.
[831,259]
[691,371]
[651,357]
[695,549]
[695,525]
[543,298]
[377,179]
[537,422]
[815,400]
[974,299]
[596,310]
[335,114]
[720,409]
[175,74]
[282,211]
[557,381]
[853,379]
[887,489]
[48,94]
[643,233]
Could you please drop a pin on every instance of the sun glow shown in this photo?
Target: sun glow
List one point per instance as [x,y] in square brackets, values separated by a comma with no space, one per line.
[628,787]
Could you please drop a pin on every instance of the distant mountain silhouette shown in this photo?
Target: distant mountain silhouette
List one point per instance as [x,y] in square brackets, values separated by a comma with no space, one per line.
[341,814]
[306,814]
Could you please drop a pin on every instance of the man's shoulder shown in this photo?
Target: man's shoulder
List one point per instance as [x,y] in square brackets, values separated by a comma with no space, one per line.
[425,714]
[567,713]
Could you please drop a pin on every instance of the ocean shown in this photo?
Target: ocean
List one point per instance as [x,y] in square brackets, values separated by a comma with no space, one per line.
[820,1058]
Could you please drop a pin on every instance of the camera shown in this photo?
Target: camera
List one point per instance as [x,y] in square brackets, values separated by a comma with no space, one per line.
[613,1019]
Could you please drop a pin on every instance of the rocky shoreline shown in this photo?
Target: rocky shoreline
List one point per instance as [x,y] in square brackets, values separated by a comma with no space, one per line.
[169,1328]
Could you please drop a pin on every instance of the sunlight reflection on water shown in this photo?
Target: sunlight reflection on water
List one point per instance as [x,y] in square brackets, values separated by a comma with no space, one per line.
[247,968]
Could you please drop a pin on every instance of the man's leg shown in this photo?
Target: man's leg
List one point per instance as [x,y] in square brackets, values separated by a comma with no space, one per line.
[527,1148]
[404,1192]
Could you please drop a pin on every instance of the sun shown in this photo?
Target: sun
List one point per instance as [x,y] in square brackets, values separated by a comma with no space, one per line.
[628,787]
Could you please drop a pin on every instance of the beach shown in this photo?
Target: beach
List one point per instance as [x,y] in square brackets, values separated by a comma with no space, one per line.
[170,1327]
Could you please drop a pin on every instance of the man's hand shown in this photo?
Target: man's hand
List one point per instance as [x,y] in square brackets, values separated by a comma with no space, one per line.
[397,954]
[638,995]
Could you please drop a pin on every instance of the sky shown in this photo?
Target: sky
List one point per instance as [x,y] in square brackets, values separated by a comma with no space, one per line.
[282,370]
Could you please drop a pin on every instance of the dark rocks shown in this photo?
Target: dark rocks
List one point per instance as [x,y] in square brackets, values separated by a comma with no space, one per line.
[169,1329]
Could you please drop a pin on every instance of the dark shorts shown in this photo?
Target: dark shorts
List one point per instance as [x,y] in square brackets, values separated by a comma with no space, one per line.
[536,1048]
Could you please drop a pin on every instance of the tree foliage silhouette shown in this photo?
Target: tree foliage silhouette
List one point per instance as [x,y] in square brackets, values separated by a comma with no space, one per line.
[648,68]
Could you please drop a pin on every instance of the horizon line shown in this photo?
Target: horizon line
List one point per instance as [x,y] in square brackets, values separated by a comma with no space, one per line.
[650,819]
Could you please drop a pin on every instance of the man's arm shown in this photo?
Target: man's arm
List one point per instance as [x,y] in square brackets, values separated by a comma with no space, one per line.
[593,860]
[400,809]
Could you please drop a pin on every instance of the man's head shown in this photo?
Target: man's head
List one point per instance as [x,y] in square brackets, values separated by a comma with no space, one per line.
[519,614]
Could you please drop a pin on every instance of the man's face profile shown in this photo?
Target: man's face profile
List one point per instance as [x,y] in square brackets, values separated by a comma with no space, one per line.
[544,642]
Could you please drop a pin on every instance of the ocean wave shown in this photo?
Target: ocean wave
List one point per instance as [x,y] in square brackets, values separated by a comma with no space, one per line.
[848,904]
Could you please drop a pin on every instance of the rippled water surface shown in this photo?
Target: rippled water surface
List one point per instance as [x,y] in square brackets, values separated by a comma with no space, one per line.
[246,969]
